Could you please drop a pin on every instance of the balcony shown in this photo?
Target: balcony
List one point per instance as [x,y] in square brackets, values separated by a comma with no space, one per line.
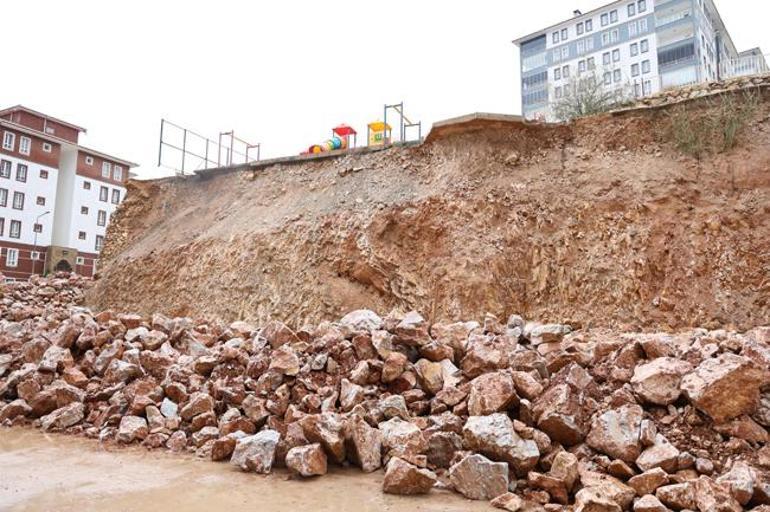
[745,66]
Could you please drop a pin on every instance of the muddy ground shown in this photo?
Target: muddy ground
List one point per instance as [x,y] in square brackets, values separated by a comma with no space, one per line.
[44,472]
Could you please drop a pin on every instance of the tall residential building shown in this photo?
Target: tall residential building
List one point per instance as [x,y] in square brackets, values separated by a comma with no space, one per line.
[56,196]
[632,47]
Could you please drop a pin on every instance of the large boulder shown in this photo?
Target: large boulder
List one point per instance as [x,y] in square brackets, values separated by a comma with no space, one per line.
[327,428]
[662,454]
[478,478]
[402,438]
[491,393]
[361,320]
[307,460]
[725,387]
[616,433]
[63,417]
[132,428]
[560,413]
[364,444]
[257,452]
[658,382]
[495,437]
[401,477]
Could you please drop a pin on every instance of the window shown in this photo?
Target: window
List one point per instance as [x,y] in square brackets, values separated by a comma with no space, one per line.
[106,170]
[564,34]
[648,87]
[616,75]
[21,172]
[642,4]
[615,55]
[80,260]
[86,185]
[18,200]
[25,145]
[15,231]
[645,66]
[555,38]
[591,63]
[614,16]
[581,67]
[632,29]
[81,235]
[614,36]
[2,226]
[47,147]
[43,174]
[101,216]
[557,74]
[9,141]
[115,196]
[99,243]
[642,25]
[637,90]
[117,174]
[634,49]
[50,130]
[635,70]
[605,19]
[589,44]
[631,9]
[3,197]
[580,28]
[40,201]
[607,78]
[5,168]
[606,58]
[565,71]
[34,255]
[89,160]
[11,256]
[84,210]
[589,25]
[556,55]
[103,192]
[605,39]
[565,52]
[37,228]
[644,45]
[581,47]
[557,92]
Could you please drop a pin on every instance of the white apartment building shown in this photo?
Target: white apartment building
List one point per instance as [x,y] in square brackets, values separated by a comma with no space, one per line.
[56,196]
[632,47]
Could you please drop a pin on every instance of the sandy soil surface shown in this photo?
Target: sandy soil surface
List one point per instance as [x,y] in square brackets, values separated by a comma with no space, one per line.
[44,472]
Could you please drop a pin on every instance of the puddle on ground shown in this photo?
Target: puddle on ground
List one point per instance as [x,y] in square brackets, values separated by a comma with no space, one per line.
[45,472]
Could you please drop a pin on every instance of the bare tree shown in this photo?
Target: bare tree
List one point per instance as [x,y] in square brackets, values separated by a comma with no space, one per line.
[586,95]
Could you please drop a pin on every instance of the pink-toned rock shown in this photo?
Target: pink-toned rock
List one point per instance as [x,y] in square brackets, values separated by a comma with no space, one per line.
[495,437]
[278,334]
[725,387]
[412,330]
[285,361]
[132,428]
[649,481]
[478,478]
[744,428]
[649,503]
[526,385]
[361,320]
[257,452]
[328,429]
[678,496]
[616,433]
[18,407]
[364,444]
[484,354]
[660,455]
[556,489]
[490,393]
[430,375]
[198,403]
[739,481]
[560,413]
[401,477]
[307,460]
[402,438]
[658,382]
[711,496]
[350,395]
[514,503]
[64,417]
[455,335]
[395,365]
[177,442]
[564,467]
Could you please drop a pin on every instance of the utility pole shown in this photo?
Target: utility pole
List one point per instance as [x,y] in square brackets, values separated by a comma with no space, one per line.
[34,228]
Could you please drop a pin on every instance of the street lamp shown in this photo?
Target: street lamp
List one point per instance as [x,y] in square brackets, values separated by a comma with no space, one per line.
[34,228]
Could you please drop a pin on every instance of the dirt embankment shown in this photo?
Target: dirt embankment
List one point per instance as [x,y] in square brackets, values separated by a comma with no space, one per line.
[599,223]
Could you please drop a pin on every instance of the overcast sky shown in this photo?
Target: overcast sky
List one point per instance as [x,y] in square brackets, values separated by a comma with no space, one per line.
[280,73]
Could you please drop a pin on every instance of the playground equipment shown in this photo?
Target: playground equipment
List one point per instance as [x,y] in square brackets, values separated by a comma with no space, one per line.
[341,136]
[378,133]
[404,122]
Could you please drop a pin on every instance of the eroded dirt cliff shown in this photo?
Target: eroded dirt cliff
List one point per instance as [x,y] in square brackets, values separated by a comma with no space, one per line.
[601,222]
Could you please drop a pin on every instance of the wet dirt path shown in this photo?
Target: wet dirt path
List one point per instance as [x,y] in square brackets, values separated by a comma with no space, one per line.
[47,472]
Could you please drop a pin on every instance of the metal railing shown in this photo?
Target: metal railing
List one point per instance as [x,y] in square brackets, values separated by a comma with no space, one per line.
[745,66]
[184,150]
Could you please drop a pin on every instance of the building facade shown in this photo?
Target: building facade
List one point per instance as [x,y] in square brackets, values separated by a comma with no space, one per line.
[632,48]
[56,196]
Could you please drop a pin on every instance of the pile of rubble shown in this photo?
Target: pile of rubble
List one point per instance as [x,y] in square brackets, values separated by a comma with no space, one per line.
[701,90]
[530,416]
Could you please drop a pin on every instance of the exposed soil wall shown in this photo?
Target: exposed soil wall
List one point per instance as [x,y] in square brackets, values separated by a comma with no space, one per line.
[600,222]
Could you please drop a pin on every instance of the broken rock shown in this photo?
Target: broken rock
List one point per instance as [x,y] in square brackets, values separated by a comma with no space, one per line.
[401,477]
[478,478]
[307,460]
